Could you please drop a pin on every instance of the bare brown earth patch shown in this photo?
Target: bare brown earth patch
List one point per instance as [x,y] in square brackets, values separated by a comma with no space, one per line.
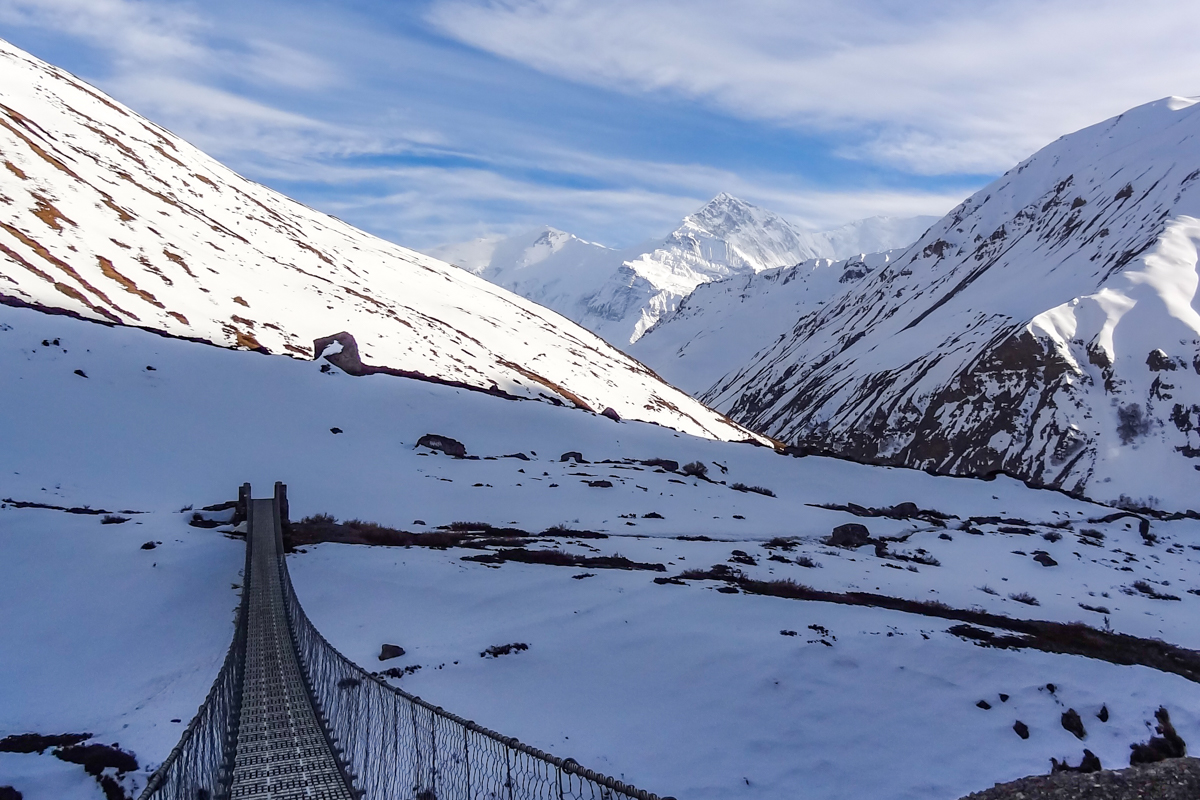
[178,259]
[47,213]
[1067,638]
[1176,779]
[126,283]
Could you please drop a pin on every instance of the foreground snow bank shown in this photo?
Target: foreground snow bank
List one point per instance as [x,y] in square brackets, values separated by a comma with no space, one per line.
[671,687]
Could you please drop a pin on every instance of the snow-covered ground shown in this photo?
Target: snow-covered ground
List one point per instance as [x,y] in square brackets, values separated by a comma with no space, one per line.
[681,689]
[621,293]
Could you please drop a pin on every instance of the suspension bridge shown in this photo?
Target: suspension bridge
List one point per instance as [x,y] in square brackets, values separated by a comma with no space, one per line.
[291,718]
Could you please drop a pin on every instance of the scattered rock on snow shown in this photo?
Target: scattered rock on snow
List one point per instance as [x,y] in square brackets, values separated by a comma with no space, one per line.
[850,535]
[390,651]
[1021,729]
[611,414]
[1168,743]
[1043,558]
[39,743]
[1090,763]
[444,444]
[574,455]
[1071,722]
[497,650]
[95,758]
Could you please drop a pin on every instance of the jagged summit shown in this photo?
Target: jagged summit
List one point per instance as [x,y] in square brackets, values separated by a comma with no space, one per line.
[621,294]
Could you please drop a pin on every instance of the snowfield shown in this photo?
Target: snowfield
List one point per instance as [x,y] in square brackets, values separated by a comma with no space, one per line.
[682,689]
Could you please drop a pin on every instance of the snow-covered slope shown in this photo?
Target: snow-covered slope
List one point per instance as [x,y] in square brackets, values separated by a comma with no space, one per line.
[548,266]
[719,327]
[620,294]
[1046,327]
[112,217]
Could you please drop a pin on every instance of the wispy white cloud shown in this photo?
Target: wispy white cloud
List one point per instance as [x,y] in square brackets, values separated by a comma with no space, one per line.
[934,87]
[316,101]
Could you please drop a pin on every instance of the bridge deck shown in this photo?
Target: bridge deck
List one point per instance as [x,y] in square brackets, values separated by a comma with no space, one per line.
[282,751]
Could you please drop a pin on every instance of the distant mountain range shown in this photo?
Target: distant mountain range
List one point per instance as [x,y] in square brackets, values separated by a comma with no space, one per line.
[621,294]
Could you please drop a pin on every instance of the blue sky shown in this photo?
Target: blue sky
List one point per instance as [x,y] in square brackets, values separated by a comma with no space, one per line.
[432,121]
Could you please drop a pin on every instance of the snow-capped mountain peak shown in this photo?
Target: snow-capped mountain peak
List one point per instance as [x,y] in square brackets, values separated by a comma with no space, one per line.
[621,294]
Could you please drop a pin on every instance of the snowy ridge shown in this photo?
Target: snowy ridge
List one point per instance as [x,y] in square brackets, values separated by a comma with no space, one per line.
[1046,327]
[621,294]
[720,326]
[112,217]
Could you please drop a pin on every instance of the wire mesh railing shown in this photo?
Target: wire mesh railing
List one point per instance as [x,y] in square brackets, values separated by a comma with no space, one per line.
[396,745]
[200,767]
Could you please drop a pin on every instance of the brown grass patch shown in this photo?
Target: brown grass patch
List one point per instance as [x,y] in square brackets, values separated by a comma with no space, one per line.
[1068,638]
[126,283]
[177,259]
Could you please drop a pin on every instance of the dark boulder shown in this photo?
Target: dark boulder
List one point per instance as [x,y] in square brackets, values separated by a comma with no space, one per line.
[850,535]
[96,758]
[451,447]
[345,357]
[573,455]
[1072,723]
[1158,361]
[611,414]
[1168,743]
[389,651]
[1089,763]
[1043,558]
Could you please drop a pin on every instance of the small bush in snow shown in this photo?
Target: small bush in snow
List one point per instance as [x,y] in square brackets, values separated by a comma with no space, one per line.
[1024,597]
[696,469]
[113,519]
[497,650]
[741,487]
